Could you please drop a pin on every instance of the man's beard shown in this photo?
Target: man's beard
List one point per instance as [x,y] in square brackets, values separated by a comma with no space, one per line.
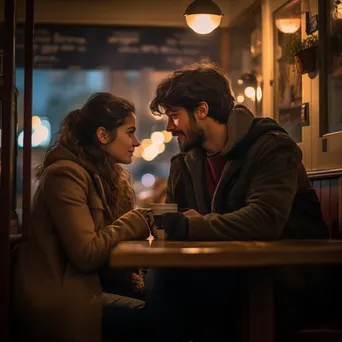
[193,139]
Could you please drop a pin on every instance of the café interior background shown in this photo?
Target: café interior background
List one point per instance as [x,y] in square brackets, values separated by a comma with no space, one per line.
[250,41]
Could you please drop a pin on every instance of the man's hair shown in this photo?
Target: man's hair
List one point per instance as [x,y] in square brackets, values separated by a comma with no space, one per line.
[188,86]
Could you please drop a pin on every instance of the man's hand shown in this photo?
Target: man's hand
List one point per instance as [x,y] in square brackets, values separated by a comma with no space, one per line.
[175,226]
[191,212]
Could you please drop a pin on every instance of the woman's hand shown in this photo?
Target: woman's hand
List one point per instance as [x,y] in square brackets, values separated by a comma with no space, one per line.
[148,215]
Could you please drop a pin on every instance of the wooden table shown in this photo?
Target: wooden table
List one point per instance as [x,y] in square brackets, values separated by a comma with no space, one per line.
[193,254]
[256,257]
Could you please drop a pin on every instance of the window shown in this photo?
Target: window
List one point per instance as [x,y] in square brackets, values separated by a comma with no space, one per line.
[57,92]
[288,81]
[331,67]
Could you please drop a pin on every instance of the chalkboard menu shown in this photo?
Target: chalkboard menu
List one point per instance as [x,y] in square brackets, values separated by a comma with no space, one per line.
[58,46]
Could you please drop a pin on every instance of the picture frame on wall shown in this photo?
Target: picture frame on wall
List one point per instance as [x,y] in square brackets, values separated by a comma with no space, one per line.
[304,119]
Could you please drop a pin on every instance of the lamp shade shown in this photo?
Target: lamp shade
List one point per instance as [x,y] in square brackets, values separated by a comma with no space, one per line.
[203,16]
[288,25]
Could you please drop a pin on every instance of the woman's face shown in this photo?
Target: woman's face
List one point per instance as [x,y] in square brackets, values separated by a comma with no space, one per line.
[122,147]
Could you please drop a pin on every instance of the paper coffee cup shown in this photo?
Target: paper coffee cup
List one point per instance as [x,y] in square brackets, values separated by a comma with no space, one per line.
[160,234]
[158,209]
[162,208]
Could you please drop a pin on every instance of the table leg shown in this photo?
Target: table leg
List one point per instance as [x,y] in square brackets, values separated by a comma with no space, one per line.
[257,323]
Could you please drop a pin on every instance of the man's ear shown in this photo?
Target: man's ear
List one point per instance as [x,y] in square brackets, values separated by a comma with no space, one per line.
[202,110]
[102,135]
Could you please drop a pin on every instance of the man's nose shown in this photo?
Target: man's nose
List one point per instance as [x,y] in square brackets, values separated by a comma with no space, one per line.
[170,125]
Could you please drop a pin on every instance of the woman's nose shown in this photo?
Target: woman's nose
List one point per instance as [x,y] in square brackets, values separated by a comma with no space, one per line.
[136,142]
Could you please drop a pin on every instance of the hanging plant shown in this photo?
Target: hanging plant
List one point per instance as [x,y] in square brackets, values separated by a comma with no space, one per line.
[303,53]
[294,47]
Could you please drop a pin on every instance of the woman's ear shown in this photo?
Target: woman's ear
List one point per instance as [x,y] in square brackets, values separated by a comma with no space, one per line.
[102,135]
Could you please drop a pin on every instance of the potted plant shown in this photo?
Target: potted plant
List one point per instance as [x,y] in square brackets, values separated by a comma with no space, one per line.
[303,53]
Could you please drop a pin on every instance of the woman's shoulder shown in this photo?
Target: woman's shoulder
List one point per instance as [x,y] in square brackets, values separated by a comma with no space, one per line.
[66,169]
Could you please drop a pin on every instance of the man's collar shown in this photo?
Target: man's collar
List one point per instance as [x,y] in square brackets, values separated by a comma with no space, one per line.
[239,122]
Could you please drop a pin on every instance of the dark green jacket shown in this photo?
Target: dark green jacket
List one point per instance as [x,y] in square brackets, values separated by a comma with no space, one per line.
[264,192]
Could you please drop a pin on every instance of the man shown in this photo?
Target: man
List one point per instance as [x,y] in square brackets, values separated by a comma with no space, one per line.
[241,178]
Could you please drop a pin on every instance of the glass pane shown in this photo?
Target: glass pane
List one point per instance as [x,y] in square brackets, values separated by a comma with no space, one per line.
[334,64]
[288,81]
[57,92]
[245,62]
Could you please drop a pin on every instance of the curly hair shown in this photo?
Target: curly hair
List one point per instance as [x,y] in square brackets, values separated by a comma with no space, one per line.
[78,134]
[188,86]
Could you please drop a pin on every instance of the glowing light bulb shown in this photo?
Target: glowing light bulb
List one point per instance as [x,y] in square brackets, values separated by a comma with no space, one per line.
[167,136]
[203,16]
[240,98]
[259,94]
[36,122]
[150,152]
[161,148]
[157,138]
[250,92]
[145,143]
[288,25]
[148,180]
[203,23]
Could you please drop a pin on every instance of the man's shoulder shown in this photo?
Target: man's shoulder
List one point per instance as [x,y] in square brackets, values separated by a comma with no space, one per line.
[283,139]
[177,163]
[274,142]
[178,158]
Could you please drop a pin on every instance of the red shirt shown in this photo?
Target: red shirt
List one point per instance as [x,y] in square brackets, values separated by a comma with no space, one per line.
[213,169]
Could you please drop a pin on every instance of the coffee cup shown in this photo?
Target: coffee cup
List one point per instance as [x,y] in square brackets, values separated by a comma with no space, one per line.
[158,209]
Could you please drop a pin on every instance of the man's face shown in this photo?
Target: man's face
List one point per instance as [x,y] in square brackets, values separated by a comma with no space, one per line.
[185,128]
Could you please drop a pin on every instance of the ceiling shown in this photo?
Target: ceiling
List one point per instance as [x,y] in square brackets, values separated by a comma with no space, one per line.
[124,12]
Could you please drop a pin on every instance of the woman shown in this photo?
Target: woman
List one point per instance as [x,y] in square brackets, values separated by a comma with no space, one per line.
[82,208]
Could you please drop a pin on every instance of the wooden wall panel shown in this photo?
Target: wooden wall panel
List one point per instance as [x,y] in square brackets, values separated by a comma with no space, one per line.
[326,200]
[328,193]
[334,208]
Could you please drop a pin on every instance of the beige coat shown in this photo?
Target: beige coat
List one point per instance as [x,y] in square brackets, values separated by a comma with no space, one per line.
[56,288]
